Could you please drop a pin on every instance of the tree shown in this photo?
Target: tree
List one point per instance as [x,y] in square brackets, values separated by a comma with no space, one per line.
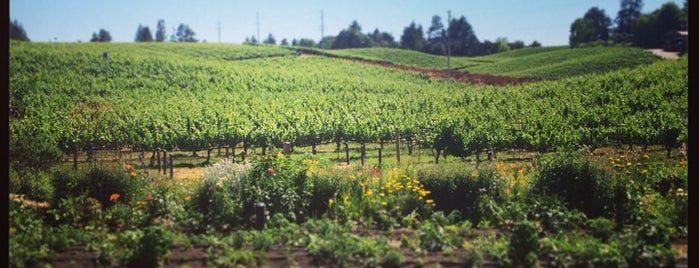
[382,39]
[185,34]
[462,38]
[160,32]
[326,42]
[352,37]
[535,44]
[270,40]
[600,21]
[516,44]
[630,10]
[581,31]
[284,42]
[102,36]
[306,42]
[412,37]
[502,44]
[436,37]
[591,27]
[648,30]
[143,34]
[17,31]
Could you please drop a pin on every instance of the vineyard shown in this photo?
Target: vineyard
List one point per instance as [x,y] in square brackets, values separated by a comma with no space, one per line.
[606,121]
[196,100]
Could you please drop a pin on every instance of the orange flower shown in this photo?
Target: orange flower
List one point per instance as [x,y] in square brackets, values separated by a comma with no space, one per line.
[113,197]
[132,174]
[128,167]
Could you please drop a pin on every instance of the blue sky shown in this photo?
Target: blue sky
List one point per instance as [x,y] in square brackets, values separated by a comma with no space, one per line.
[546,21]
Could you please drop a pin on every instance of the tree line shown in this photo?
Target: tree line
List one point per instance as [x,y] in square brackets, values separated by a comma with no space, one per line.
[631,26]
[457,37]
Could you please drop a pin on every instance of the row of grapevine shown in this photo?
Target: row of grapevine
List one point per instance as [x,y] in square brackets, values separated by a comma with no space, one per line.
[72,96]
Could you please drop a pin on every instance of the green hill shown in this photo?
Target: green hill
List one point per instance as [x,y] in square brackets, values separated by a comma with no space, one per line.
[538,63]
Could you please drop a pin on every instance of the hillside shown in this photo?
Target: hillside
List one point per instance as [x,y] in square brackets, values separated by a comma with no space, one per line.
[535,63]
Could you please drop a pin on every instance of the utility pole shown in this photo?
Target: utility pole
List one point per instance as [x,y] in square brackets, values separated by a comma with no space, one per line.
[258,28]
[448,44]
[322,26]
[218,27]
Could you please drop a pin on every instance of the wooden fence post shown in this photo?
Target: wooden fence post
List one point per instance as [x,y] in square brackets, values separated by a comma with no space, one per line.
[164,162]
[347,153]
[397,147]
[171,167]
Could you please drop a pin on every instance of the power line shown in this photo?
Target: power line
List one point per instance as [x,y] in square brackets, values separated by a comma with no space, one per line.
[258,26]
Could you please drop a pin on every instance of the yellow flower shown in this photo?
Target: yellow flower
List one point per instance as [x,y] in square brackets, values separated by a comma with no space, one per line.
[280,154]
[383,203]
[644,171]
[629,164]
[369,192]
[429,201]
[646,156]
[382,194]
[187,198]
[331,202]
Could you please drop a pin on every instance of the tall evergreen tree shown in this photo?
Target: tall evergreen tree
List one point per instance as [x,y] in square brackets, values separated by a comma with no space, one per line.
[630,10]
[17,31]
[436,37]
[413,37]
[143,34]
[462,38]
[160,34]
[102,36]
[185,34]
[600,21]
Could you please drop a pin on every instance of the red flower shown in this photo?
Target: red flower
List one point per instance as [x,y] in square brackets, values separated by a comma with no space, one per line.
[149,198]
[270,170]
[376,172]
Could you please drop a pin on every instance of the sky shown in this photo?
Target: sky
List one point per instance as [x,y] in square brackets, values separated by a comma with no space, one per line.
[545,21]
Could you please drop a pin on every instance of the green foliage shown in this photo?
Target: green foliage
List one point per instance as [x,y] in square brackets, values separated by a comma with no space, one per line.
[601,228]
[153,247]
[552,214]
[463,188]
[524,244]
[101,184]
[27,244]
[581,184]
[33,183]
[392,259]
[230,191]
[29,150]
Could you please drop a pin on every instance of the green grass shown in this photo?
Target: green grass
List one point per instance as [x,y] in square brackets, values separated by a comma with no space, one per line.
[540,63]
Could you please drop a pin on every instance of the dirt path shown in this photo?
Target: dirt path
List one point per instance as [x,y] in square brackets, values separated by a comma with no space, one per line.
[460,76]
[668,55]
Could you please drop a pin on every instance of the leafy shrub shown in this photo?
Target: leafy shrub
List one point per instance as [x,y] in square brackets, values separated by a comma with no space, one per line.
[219,197]
[462,188]
[27,234]
[601,228]
[392,259]
[102,184]
[552,213]
[229,191]
[649,245]
[67,183]
[33,184]
[31,151]
[576,181]
[153,246]
[524,243]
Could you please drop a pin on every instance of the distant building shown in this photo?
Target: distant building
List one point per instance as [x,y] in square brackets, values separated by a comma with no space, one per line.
[676,41]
